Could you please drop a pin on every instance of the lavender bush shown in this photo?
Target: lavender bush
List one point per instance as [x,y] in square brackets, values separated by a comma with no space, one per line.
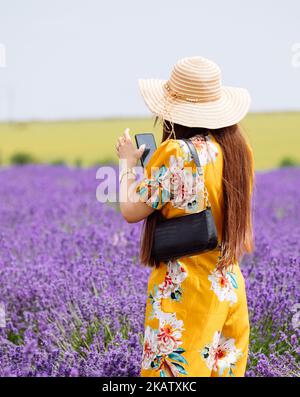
[74,293]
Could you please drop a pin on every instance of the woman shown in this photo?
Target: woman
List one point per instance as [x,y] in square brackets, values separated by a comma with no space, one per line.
[196,320]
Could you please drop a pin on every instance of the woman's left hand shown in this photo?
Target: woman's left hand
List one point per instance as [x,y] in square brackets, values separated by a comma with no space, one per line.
[126,150]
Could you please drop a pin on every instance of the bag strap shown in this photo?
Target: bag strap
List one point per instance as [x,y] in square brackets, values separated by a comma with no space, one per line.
[200,171]
[194,154]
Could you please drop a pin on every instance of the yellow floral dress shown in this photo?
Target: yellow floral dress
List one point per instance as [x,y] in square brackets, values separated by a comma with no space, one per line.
[196,320]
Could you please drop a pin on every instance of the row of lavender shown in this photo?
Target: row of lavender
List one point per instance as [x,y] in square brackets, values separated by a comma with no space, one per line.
[74,293]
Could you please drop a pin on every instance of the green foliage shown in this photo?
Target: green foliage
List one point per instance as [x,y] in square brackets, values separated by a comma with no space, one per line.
[22,158]
[105,161]
[15,338]
[80,340]
[58,162]
[288,162]
[78,163]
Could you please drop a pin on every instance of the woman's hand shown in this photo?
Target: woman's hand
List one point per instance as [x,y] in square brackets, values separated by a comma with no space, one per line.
[132,210]
[126,150]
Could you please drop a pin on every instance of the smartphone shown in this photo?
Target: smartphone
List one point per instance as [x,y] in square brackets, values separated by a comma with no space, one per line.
[148,139]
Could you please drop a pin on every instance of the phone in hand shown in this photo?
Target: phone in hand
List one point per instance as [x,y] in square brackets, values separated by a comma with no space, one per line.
[148,139]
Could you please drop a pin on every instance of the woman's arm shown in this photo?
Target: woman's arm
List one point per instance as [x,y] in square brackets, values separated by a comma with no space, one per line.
[132,209]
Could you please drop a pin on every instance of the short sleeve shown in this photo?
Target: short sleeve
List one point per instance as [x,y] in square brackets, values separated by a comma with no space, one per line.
[154,188]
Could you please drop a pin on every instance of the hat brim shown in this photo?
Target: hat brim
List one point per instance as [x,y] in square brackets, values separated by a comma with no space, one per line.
[229,109]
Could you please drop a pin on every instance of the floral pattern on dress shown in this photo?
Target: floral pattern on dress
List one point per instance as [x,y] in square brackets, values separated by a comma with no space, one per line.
[150,347]
[205,146]
[155,191]
[169,288]
[175,275]
[176,182]
[186,186]
[224,285]
[162,350]
[221,354]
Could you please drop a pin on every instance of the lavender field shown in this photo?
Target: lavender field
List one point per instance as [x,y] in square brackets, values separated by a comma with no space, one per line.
[74,293]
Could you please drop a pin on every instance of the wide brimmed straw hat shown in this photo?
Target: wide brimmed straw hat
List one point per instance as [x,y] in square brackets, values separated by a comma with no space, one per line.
[195,97]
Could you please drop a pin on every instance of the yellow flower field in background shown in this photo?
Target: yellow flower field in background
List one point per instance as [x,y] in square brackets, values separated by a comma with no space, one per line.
[273,136]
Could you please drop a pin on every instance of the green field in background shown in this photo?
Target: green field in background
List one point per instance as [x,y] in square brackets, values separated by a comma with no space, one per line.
[273,136]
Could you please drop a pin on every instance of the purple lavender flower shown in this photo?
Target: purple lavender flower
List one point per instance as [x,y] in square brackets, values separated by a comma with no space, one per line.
[74,291]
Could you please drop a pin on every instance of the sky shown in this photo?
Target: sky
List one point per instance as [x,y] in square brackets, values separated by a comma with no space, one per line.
[78,59]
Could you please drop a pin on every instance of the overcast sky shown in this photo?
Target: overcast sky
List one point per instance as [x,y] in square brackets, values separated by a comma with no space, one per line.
[82,58]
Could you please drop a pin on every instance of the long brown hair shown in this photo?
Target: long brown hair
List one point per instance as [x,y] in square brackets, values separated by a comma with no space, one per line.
[237,182]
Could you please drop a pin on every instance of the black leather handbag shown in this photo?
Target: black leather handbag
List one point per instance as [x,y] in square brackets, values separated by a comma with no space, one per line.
[190,234]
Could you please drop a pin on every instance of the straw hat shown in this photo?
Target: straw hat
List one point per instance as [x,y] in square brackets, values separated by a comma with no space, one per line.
[194,96]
